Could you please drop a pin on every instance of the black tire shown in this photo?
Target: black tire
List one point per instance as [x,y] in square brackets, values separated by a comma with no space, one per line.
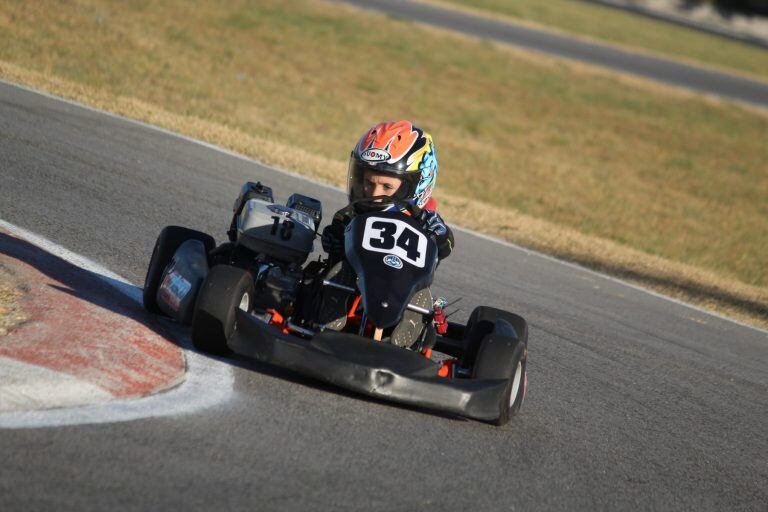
[221,293]
[504,357]
[170,238]
[482,322]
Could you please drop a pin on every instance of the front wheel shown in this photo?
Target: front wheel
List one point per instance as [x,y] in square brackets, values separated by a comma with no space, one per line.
[224,290]
[504,357]
[483,321]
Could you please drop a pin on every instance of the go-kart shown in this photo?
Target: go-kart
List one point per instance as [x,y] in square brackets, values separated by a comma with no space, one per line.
[256,295]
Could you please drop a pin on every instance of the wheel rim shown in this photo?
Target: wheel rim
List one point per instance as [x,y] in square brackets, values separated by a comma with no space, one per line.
[245,302]
[516,381]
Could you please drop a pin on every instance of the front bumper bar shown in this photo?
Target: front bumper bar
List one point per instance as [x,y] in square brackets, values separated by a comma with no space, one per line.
[374,369]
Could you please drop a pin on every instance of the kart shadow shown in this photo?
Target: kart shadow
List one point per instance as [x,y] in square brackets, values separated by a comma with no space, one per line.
[97,289]
[125,300]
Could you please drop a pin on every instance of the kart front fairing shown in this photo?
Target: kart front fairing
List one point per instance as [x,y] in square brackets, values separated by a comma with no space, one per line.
[393,258]
[372,368]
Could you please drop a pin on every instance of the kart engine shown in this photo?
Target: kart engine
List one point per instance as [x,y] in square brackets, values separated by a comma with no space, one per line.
[277,287]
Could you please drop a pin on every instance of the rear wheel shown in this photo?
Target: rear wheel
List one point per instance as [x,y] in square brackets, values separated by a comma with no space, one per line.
[169,240]
[224,290]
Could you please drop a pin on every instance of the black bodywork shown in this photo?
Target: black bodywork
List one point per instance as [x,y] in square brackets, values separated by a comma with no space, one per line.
[374,369]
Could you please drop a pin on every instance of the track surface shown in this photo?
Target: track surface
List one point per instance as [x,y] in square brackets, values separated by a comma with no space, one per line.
[659,69]
[635,401]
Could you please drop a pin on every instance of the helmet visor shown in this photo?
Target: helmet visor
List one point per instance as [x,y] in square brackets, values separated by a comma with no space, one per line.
[362,177]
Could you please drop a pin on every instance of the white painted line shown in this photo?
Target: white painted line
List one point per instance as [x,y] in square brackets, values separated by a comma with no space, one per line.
[114,280]
[488,238]
[209,382]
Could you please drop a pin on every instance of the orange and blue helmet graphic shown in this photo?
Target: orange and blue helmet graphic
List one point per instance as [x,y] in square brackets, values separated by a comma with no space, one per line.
[401,148]
[425,161]
[388,142]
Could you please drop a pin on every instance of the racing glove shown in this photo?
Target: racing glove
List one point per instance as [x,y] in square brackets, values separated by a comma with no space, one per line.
[435,224]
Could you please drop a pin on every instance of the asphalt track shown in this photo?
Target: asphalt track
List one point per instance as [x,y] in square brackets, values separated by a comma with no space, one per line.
[671,72]
[636,402]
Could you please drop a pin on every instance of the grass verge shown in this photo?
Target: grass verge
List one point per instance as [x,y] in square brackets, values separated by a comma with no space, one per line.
[629,30]
[11,314]
[661,187]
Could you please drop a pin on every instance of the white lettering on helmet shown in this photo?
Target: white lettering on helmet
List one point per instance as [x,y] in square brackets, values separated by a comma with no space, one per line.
[375,155]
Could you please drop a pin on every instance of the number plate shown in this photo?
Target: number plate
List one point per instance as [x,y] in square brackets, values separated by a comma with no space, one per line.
[392,236]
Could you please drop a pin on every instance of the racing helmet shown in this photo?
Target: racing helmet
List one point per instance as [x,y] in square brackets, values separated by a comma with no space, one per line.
[398,149]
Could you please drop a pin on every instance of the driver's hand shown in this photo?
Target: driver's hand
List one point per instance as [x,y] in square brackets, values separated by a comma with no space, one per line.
[331,243]
[433,222]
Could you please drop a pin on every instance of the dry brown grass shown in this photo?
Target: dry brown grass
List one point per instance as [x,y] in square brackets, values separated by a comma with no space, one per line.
[11,314]
[662,187]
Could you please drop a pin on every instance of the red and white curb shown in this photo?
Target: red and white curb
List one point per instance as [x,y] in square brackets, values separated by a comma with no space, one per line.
[34,381]
[81,328]
[25,386]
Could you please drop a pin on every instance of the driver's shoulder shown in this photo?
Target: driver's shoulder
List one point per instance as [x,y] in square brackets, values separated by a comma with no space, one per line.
[431,205]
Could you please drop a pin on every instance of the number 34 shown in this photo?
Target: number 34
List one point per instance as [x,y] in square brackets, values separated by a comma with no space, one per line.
[396,237]
[407,241]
